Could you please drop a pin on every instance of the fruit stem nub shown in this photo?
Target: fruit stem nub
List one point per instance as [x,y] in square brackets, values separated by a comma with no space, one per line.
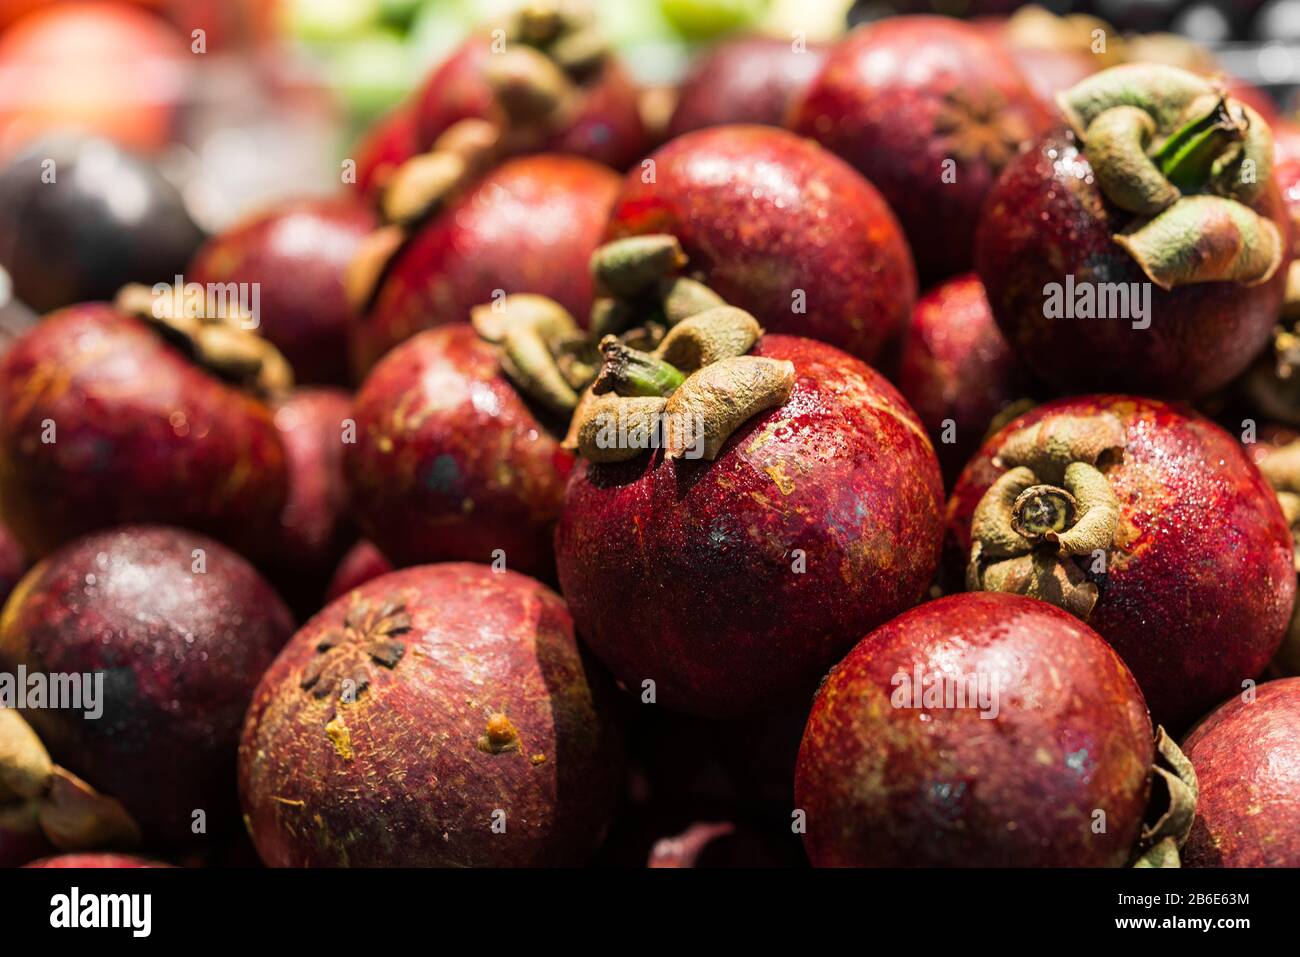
[631,372]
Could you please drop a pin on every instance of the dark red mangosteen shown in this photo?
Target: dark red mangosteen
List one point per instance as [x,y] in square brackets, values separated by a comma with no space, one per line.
[104,422]
[362,562]
[743,508]
[779,227]
[546,80]
[436,716]
[452,461]
[293,257]
[976,731]
[173,631]
[315,426]
[1247,760]
[1148,522]
[930,111]
[1144,248]
[527,225]
[957,371]
[752,79]
[79,218]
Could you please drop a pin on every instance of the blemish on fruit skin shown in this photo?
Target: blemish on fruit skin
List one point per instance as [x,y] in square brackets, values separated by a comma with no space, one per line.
[340,737]
[499,737]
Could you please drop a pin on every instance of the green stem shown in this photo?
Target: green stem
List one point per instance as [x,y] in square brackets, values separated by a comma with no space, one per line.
[631,372]
[1187,158]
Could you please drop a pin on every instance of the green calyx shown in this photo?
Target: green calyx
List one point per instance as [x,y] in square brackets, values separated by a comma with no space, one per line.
[1052,514]
[1171,148]
[1171,808]
[539,347]
[675,372]
[226,344]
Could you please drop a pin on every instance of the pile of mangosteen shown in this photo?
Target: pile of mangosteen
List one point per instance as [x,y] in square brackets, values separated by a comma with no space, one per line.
[888,457]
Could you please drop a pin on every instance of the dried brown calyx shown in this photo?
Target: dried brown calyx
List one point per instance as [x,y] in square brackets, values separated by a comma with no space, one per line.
[35,792]
[978,127]
[1171,808]
[551,50]
[1186,160]
[541,349]
[346,656]
[221,339]
[1052,515]
[674,369]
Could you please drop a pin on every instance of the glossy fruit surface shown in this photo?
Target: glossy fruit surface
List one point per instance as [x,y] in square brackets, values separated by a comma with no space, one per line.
[102,423]
[296,252]
[530,225]
[1247,760]
[180,628]
[1196,590]
[1046,220]
[892,778]
[435,716]
[929,110]
[450,462]
[75,238]
[781,228]
[956,370]
[745,80]
[732,582]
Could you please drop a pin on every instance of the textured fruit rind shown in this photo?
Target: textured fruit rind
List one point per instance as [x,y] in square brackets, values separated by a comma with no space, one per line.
[181,629]
[1247,760]
[450,463]
[733,582]
[139,434]
[888,786]
[407,773]
[1199,585]
[778,226]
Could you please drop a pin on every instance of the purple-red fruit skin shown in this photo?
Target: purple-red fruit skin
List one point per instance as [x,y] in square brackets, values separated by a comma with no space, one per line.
[103,424]
[362,562]
[181,628]
[752,79]
[733,582]
[1199,585]
[315,425]
[402,775]
[956,368]
[606,127]
[1046,219]
[1247,760]
[530,225]
[778,226]
[450,463]
[296,253]
[894,786]
[886,101]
